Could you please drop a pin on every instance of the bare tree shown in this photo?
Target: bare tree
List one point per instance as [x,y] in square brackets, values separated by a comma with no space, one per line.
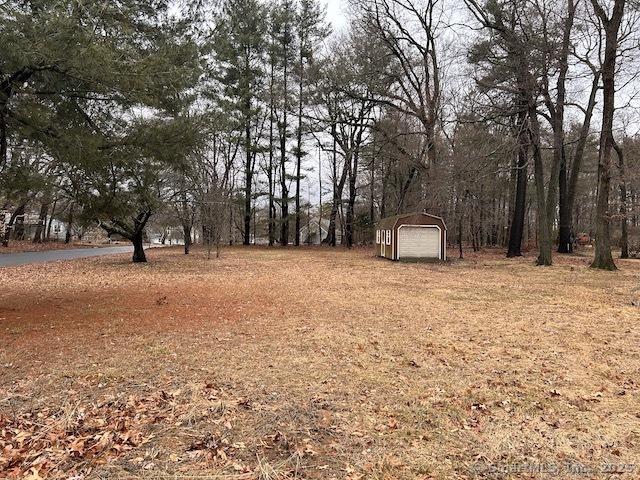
[411,83]
[611,24]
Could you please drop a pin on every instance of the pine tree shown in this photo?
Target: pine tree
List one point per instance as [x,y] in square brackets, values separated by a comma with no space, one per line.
[79,96]
[239,47]
[311,30]
[284,20]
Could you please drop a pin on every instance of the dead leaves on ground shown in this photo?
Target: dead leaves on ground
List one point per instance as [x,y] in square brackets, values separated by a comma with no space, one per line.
[471,359]
[74,440]
[76,437]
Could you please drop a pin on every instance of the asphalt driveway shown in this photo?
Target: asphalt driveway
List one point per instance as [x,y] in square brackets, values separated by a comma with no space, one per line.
[11,259]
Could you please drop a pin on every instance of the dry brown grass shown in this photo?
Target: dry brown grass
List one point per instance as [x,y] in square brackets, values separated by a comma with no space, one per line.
[312,363]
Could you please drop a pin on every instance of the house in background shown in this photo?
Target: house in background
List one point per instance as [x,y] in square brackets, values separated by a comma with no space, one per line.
[27,223]
[53,229]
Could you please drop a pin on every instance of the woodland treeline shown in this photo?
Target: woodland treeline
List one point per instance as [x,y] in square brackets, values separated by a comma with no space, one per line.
[250,120]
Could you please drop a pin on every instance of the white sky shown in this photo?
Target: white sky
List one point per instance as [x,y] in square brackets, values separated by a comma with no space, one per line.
[336,13]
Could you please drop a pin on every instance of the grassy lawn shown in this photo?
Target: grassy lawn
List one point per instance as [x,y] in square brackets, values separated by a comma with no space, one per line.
[312,363]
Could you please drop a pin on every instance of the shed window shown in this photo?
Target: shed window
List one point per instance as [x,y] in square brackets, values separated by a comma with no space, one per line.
[388,237]
[378,236]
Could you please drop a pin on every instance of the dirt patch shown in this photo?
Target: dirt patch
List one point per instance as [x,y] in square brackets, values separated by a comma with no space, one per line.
[313,363]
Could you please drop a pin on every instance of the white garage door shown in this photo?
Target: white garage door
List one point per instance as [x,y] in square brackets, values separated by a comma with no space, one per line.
[418,242]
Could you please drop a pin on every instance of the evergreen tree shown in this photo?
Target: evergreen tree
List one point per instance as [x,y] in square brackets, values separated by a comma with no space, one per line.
[239,47]
[311,30]
[96,86]
[283,25]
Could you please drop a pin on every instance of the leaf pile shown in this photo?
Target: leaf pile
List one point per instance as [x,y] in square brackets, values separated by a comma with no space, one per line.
[73,438]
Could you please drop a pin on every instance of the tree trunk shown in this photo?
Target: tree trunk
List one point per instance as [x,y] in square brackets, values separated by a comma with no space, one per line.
[18,229]
[53,212]
[42,221]
[319,194]
[559,157]
[517,222]
[578,156]
[12,221]
[495,210]
[68,234]
[545,244]
[297,233]
[474,244]
[284,207]
[138,248]
[186,229]
[624,223]
[353,172]
[565,237]
[603,258]
[299,149]
[383,193]
[3,137]
[335,206]
[481,228]
[405,188]
[460,225]
[272,213]
[231,216]
[634,208]
[248,179]
[330,239]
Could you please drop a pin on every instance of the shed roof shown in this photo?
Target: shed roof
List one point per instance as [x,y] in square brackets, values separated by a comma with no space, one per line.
[390,222]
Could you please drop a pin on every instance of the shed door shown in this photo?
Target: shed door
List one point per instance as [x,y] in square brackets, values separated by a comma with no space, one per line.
[418,242]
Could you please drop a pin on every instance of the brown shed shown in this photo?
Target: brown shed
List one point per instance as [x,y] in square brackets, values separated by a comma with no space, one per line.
[411,236]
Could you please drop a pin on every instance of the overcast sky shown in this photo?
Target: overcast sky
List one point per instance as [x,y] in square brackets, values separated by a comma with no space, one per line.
[336,13]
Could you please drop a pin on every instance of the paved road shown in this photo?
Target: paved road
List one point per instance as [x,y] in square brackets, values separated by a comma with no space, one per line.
[10,259]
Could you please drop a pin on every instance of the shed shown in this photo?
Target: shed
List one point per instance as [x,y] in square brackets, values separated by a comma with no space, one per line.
[412,236]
